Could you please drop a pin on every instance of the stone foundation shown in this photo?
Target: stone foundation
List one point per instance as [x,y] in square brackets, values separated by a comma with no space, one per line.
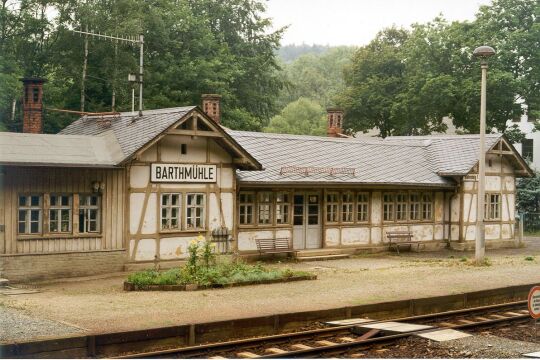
[490,244]
[32,267]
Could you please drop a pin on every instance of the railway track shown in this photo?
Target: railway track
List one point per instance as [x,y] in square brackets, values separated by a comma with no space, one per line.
[335,340]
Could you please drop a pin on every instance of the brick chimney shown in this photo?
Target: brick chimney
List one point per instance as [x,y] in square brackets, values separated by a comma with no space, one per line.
[33,105]
[334,124]
[211,106]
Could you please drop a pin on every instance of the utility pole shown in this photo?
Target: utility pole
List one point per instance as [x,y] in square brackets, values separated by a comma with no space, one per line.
[85,64]
[132,40]
[483,52]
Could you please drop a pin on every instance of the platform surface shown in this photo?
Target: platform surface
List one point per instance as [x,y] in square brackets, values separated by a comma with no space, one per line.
[348,322]
[443,335]
[395,326]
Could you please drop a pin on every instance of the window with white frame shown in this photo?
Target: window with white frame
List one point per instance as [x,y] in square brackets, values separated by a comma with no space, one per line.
[492,206]
[89,213]
[362,207]
[171,211]
[388,207]
[30,214]
[60,213]
[347,207]
[246,204]
[427,206]
[195,205]
[414,206]
[282,208]
[265,207]
[332,207]
[401,206]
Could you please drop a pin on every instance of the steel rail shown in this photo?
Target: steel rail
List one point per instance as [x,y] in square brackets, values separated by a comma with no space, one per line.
[223,346]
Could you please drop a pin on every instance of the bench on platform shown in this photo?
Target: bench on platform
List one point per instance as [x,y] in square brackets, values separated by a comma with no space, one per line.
[402,238]
[276,245]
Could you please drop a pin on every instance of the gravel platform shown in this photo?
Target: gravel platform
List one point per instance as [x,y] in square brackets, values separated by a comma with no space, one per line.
[16,326]
[489,346]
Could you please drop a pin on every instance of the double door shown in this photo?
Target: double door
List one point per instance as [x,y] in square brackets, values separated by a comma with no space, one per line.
[307,227]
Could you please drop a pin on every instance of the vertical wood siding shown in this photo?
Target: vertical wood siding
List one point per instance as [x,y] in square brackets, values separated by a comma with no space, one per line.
[19,180]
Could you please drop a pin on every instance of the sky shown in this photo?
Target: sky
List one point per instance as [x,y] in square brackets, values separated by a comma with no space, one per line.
[356,22]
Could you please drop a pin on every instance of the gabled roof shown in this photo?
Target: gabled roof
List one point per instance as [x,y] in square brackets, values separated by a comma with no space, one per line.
[415,160]
[133,133]
[59,150]
[375,162]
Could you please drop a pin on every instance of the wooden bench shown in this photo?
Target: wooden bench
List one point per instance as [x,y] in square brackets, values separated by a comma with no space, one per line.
[402,238]
[275,246]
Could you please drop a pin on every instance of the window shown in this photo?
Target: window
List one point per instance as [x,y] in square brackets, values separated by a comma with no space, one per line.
[60,213]
[246,206]
[195,211]
[170,211]
[427,206]
[492,207]
[527,146]
[332,203]
[282,208]
[265,205]
[401,206]
[362,207]
[89,213]
[347,207]
[414,206]
[30,214]
[183,149]
[388,207]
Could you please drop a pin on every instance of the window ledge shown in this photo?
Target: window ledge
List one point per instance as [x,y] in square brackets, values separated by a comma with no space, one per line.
[58,236]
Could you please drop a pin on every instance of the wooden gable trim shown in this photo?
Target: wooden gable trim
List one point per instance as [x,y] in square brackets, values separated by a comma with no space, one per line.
[499,149]
[225,140]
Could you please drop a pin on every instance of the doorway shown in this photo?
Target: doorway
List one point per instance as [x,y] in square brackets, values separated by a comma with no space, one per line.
[307,221]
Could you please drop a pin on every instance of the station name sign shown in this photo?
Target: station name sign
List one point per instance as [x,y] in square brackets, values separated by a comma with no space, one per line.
[183,173]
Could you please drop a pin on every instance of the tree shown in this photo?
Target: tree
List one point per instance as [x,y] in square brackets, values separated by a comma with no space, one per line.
[528,194]
[316,76]
[191,47]
[301,117]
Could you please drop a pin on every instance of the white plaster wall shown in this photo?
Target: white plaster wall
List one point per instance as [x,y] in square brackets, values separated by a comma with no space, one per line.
[507,231]
[214,219]
[136,201]
[170,149]
[439,232]
[422,232]
[332,237]
[174,248]
[493,231]
[225,178]
[139,176]
[454,232]
[218,154]
[355,236]
[150,154]
[146,250]
[509,183]
[376,209]
[469,207]
[469,185]
[227,202]
[246,239]
[470,232]
[150,217]
[285,233]
[493,183]
[375,235]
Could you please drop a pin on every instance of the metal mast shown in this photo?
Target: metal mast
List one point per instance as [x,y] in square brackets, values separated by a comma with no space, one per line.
[128,39]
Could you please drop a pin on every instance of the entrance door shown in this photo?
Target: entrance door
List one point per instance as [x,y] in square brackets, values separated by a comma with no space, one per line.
[306,221]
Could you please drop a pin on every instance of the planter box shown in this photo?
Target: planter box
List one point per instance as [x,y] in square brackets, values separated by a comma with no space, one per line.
[193,287]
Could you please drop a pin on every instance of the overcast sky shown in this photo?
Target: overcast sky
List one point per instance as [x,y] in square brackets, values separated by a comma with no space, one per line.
[355,22]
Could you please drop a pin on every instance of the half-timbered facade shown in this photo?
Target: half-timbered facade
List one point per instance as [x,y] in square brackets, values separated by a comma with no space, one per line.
[124,190]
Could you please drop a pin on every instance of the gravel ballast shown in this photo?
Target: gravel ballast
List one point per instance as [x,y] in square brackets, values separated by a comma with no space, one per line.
[16,326]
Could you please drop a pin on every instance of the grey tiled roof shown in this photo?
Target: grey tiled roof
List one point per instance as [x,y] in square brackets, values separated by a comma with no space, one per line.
[131,131]
[405,161]
[59,150]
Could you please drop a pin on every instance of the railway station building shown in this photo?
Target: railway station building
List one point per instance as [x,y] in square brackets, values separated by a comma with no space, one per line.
[123,191]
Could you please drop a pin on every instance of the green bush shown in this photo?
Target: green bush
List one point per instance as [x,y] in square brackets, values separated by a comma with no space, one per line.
[216,273]
[529,258]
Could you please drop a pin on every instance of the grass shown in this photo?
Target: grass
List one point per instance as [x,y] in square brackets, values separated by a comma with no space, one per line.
[218,274]
[529,258]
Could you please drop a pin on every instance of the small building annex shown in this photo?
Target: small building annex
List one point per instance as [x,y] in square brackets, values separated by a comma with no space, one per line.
[110,192]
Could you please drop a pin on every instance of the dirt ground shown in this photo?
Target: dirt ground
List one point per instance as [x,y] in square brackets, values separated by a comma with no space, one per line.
[99,304]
